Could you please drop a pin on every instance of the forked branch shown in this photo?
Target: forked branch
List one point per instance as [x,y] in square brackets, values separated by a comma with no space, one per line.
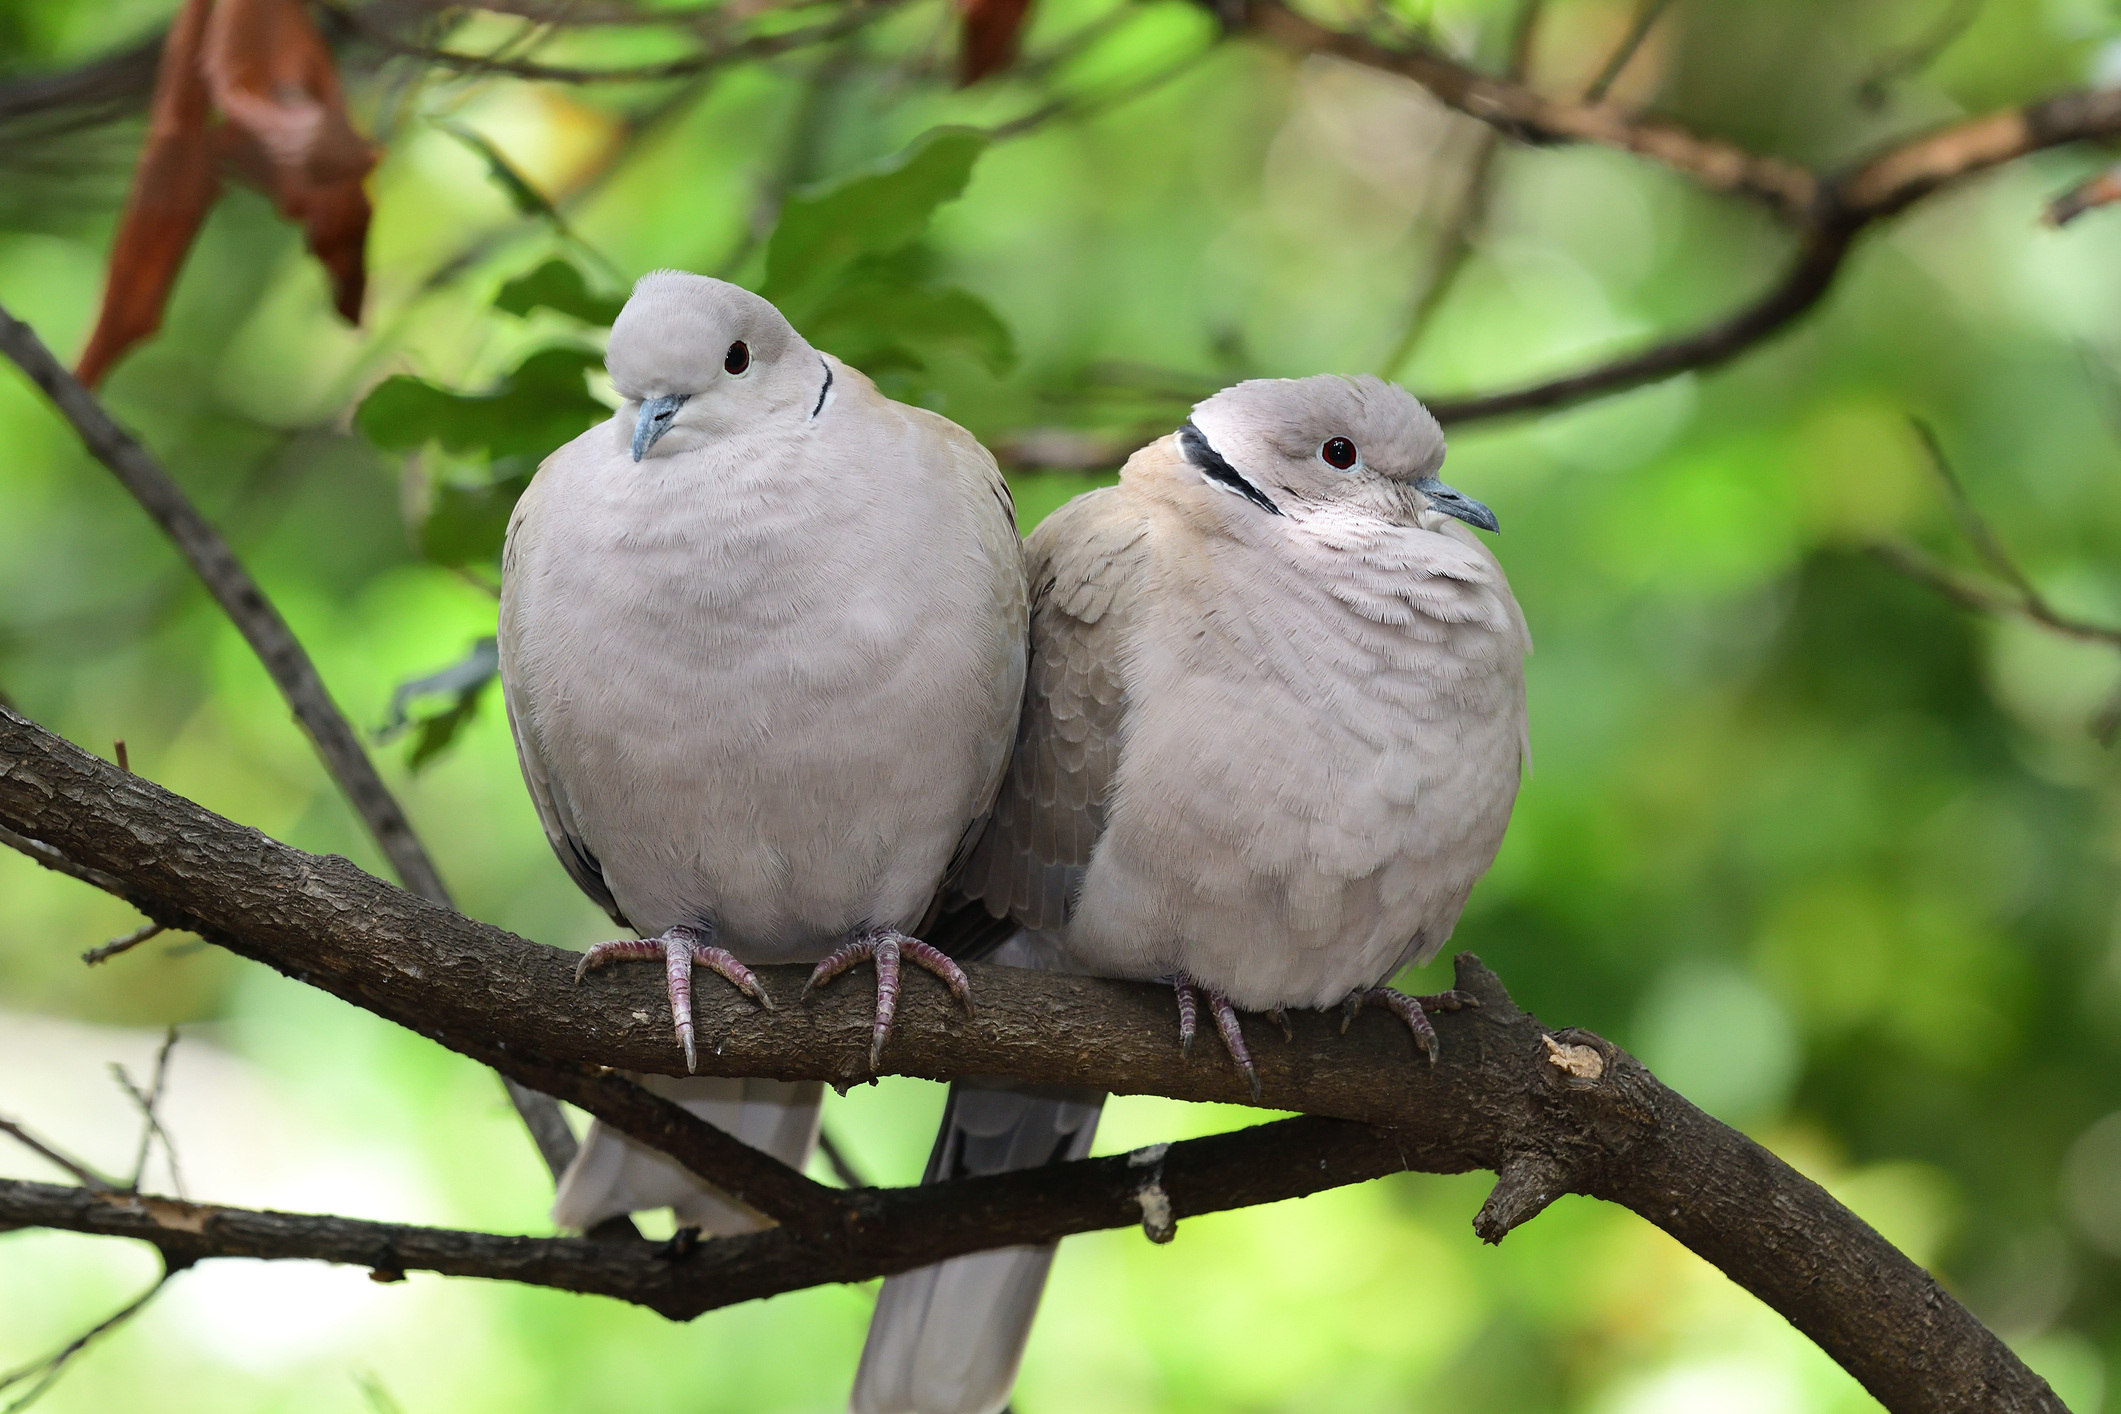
[1553,1111]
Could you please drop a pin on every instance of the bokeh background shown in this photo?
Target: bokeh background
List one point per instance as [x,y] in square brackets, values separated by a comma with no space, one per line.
[1836,858]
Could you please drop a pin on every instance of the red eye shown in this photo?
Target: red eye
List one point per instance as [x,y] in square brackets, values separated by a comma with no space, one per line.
[1338,452]
[738,358]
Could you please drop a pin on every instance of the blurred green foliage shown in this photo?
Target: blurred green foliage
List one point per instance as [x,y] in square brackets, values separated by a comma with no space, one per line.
[1834,857]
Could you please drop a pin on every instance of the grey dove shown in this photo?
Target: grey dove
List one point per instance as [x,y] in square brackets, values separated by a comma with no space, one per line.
[1273,730]
[762,645]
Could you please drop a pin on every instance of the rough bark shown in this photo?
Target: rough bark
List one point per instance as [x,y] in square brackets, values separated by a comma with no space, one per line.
[1550,1111]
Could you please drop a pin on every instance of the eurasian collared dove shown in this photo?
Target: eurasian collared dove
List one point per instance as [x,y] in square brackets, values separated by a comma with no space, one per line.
[762,645]
[1272,734]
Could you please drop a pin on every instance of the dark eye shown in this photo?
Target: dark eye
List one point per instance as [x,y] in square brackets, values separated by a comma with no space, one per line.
[738,358]
[1338,451]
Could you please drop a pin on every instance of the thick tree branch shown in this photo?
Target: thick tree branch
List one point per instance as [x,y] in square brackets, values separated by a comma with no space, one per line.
[1552,1111]
[281,653]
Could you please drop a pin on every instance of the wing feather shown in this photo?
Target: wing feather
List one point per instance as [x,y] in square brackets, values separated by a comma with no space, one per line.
[1086,562]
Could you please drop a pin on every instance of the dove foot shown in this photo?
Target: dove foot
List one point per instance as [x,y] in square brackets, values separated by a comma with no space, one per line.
[682,948]
[887,947]
[1414,1011]
[1189,995]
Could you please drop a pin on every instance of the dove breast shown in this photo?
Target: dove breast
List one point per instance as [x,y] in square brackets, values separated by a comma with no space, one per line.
[768,683]
[1324,728]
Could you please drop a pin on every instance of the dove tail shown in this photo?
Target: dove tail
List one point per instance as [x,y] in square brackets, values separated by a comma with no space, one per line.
[947,1339]
[613,1175]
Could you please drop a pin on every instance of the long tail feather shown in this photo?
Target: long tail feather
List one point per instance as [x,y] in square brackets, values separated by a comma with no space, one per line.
[947,1339]
[613,1175]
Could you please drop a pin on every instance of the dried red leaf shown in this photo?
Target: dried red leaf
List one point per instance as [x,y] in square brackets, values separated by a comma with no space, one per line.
[273,80]
[172,188]
[249,84]
[990,31]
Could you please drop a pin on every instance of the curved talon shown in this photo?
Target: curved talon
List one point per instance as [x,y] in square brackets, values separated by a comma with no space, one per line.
[887,948]
[681,948]
[1226,1024]
[1411,1010]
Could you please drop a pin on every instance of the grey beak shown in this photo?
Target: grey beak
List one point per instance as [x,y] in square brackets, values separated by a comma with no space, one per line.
[656,416]
[1452,503]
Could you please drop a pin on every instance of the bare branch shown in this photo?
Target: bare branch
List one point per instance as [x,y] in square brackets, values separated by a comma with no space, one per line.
[123,943]
[1802,285]
[82,1173]
[1496,1097]
[1784,187]
[856,15]
[151,1127]
[48,1370]
[1828,213]
[58,863]
[277,648]
[1455,248]
[2020,599]
[1647,13]
[1912,58]
[843,1167]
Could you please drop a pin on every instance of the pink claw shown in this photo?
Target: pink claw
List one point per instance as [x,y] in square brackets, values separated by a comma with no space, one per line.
[1414,1011]
[682,948]
[1189,993]
[887,947]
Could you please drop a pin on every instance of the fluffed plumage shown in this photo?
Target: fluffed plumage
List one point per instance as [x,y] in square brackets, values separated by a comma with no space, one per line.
[762,645]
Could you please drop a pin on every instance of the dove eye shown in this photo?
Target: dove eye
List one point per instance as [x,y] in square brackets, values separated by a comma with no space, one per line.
[1338,452]
[738,358]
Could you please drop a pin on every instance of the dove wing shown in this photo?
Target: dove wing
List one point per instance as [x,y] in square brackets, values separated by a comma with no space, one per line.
[1086,563]
[553,813]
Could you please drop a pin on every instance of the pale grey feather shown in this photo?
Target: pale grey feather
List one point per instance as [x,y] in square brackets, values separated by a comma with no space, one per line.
[762,660]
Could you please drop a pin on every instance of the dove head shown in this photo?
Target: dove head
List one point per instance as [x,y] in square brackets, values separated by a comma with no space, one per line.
[697,359]
[1296,443]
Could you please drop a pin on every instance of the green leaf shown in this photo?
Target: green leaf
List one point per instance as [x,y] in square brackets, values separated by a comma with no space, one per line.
[465,525]
[524,197]
[539,406]
[463,683]
[825,229]
[875,324]
[558,285]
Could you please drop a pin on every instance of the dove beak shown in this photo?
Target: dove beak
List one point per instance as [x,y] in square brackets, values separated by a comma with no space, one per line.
[1457,504]
[657,415]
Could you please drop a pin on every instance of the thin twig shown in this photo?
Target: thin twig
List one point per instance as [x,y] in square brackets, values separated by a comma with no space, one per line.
[58,863]
[84,1175]
[52,1366]
[277,648]
[1647,13]
[1829,213]
[855,16]
[152,1128]
[1979,598]
[1912,58]
[1803,283]
[126,943]
[1454,249]
[836,1158]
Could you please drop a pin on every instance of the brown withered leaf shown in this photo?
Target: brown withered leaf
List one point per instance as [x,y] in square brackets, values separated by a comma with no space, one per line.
[172,188]
[250,85]
[989,35]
